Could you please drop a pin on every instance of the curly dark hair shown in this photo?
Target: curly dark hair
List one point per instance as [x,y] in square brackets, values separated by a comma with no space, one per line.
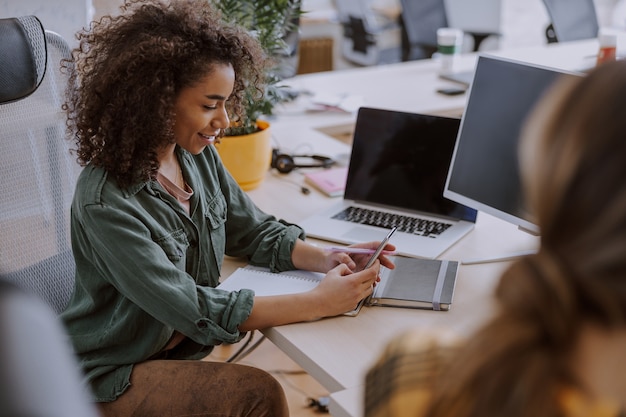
[128,70]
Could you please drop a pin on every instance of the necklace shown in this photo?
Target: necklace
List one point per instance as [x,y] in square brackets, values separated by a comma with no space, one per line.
[179,178]
[182,195]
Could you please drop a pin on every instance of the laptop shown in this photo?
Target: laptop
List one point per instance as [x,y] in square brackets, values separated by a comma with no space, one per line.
[397,173]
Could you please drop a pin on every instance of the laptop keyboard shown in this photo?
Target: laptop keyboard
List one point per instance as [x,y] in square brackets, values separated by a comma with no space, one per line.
[406,224]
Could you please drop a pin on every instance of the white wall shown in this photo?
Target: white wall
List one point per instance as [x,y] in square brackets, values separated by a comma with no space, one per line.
[523,21]
[65,17]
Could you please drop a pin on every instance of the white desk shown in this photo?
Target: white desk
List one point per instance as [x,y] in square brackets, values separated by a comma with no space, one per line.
[338,351]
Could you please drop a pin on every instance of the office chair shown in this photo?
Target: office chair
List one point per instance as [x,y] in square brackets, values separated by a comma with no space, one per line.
[363,40]
[571,20]
[39,376]
[420,20]
[37,170]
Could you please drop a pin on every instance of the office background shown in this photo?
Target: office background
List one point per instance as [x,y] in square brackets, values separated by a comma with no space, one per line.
[523,22]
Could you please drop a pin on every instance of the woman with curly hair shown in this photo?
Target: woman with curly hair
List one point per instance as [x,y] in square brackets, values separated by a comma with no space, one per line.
[155,212]
[556,346]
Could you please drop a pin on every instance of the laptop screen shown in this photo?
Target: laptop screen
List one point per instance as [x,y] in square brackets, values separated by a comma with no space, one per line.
[401,160]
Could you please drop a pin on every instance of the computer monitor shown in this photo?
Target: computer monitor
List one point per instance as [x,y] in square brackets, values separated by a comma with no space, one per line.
[484,172]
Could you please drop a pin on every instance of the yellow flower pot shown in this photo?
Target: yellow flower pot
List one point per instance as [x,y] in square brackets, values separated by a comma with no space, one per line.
[247,157]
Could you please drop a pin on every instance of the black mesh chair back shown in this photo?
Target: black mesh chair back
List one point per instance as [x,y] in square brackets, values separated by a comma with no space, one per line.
[420,21]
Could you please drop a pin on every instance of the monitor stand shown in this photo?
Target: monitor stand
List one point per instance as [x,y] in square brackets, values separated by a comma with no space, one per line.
[505,258]
[502,258]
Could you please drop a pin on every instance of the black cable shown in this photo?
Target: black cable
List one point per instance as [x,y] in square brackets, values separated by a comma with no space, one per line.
[251,348]
[303,189]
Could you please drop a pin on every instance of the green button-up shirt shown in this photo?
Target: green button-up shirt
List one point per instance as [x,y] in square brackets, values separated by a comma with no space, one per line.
[145,268]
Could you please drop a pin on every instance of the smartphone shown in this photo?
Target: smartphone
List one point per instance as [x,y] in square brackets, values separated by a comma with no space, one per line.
[454,91]
[371,261]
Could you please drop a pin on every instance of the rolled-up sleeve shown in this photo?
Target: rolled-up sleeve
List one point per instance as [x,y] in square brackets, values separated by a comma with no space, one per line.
[221,324]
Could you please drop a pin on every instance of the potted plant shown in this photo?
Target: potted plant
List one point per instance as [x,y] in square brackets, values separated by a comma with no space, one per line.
[246,147]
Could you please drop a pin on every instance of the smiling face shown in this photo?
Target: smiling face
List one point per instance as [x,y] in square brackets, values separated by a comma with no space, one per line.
[201,109]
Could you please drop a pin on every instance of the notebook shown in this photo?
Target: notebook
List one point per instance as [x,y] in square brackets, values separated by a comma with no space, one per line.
[264,283]
[330,181]
[417,283]
[396,176]
[414,283]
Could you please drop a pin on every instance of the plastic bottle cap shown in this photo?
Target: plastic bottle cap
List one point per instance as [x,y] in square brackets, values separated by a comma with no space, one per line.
[449,36]
[607,39]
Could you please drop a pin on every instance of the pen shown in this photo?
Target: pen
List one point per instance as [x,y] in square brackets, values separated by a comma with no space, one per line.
[359,250]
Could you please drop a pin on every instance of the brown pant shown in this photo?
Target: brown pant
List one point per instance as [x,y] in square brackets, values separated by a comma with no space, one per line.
[172,388]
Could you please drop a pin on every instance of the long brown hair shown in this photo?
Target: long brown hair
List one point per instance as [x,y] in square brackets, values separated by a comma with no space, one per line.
[574,173]
[130,68]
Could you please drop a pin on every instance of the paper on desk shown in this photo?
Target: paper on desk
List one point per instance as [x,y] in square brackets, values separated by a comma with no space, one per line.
[325,101]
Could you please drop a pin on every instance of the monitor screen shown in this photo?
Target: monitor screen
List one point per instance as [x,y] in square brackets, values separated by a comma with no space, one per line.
[484,171]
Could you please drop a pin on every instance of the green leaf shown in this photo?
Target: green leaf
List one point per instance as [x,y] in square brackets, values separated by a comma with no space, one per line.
[268,21]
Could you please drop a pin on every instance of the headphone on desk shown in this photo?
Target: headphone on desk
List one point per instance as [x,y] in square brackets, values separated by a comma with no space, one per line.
[286,163]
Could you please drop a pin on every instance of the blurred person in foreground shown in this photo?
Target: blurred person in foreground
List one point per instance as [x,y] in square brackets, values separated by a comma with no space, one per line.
[557,343]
